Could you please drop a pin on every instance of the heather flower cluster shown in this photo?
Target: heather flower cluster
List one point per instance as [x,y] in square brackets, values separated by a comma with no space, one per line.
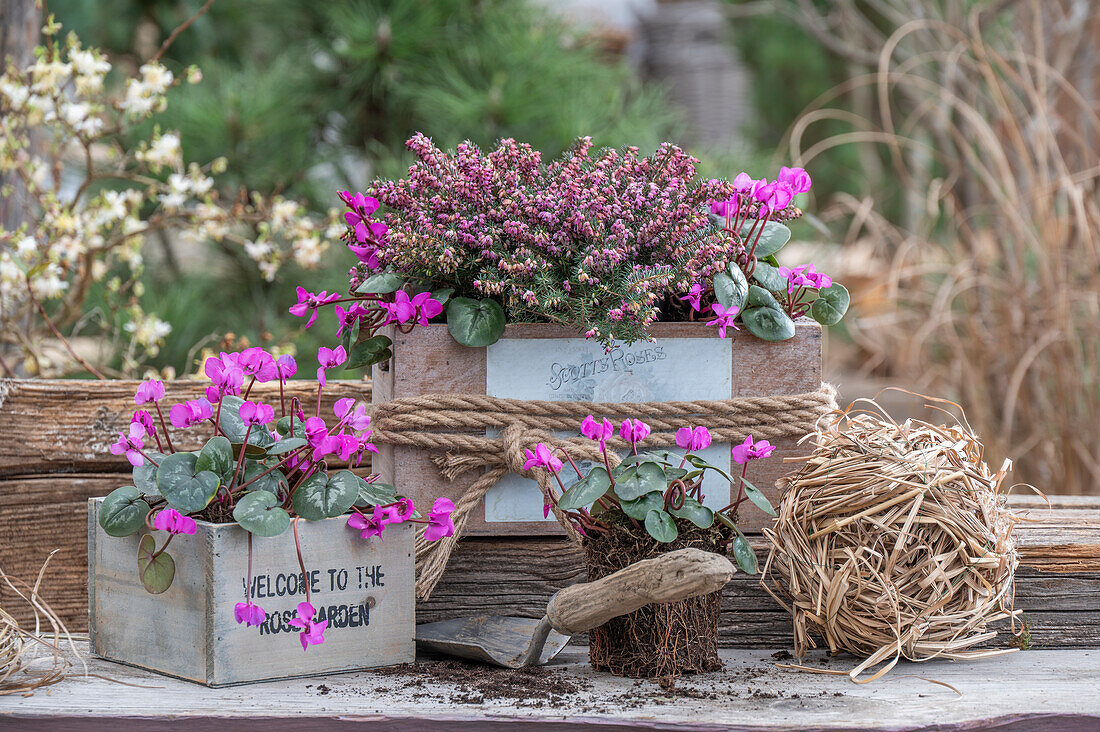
[265,466]
[79,235]
[593,240]
[659,492]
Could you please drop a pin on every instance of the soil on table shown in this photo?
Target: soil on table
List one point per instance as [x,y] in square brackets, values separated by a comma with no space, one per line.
[658,640]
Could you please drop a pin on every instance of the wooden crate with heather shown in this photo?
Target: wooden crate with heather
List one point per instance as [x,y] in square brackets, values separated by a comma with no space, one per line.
[506,304]
[251,558]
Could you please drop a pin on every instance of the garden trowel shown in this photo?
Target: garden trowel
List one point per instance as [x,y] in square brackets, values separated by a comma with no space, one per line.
[517,642]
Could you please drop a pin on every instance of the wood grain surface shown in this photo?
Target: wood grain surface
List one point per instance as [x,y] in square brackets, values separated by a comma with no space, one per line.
[1036,691]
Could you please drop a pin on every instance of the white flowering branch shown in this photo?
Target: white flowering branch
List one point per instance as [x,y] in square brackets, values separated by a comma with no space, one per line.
[92,201]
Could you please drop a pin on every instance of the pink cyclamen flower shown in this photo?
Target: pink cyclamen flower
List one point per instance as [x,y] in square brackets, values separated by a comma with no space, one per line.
[358,419]
[287,366]
[427,306]
[693,439]
[750,450]
[225,372]
[368,526]
[693,297]
[804,276]
[130,444]
[191,412]
[725,209]
[400,511]
[542,457]
[401,310]
[797,178]
[145,420]
[256,413]
[174,522]
[633,430]
[774,196]
[149,391]
[308,303]
[725,318]
[362,207]
[249,613]
[313,633]
[259,363]
[439,520]
[599,431]
[329,358]
[744,183]
[348,318]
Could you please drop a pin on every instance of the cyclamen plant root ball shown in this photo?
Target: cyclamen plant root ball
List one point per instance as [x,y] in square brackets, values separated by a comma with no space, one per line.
[658,640]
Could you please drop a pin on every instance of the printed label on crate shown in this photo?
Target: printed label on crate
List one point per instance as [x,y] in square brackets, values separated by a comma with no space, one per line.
[279,594]
[576,369]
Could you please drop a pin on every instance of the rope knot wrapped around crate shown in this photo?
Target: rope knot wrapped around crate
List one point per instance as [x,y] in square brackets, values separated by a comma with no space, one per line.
[448,424]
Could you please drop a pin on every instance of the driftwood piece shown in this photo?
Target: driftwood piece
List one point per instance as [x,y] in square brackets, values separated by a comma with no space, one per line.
[1040,691]
[428,360]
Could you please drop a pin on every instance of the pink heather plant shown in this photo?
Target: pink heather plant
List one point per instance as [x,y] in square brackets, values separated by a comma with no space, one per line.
[292,470]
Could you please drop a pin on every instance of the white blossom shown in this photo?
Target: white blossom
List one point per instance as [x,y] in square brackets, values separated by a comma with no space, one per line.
[165,150]
[50,283]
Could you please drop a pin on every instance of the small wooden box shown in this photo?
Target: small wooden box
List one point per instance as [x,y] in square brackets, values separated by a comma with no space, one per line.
[364,588]
[428,360]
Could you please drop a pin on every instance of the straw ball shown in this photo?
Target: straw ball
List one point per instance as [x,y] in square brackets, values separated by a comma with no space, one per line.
[893,541]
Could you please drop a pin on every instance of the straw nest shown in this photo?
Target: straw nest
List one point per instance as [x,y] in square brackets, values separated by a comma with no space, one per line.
[31,659]
[893,541]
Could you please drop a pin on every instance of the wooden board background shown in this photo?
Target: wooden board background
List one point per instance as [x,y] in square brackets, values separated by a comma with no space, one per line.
[50,433]
[429,361]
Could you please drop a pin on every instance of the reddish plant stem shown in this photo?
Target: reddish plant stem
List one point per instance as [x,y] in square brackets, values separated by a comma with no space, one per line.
[248,390]
[154,462]
[248,582]
[301,562]
[276,466]
[160,551]
[164,426]
[240,458]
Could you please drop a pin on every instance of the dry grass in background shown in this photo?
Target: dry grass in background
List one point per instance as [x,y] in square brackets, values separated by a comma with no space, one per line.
[987,116]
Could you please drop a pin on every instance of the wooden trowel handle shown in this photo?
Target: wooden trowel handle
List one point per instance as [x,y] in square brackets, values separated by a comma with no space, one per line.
[670,577]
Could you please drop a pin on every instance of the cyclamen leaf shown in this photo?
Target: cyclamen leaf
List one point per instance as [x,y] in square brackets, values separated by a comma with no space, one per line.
[369,352]
[323,496]
[274,482]
[283,426]
[123,511]
[758,297]
[773,238]
[758,499]
[660,526]
[731,287]
[155,573]
[639,480]
[475,323]
[639,508]
[769,277]
[586,490]
[831,304]
[183,485]
[768,324]
[380,284]
[260,513]
[217,457]
[145,475]
[695,512]
[375,494]
[743,553]
[282,447]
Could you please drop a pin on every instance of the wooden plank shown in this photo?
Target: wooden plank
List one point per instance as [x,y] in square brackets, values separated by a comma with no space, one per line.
[1037,691]
[67,426]
[428,360]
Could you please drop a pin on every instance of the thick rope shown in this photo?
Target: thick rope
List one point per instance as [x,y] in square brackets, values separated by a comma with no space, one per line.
[445,422]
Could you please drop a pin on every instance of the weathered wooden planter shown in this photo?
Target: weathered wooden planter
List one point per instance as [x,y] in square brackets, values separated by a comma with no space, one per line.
[363,588]
[688,361]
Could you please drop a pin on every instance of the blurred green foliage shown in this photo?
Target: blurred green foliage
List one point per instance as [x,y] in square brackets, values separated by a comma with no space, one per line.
[310,98]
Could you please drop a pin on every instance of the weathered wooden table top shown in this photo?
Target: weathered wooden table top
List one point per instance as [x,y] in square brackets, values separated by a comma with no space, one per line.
[1032,690]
